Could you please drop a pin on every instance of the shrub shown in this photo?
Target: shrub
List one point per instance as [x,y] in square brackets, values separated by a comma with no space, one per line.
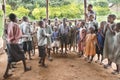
[21,11]
[102,10]
[39,12]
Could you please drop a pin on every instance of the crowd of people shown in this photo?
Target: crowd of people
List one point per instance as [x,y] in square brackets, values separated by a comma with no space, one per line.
[86,38]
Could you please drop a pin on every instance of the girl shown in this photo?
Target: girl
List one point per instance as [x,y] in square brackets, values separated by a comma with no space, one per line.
[55,37]
[109,40]
[90,44]
[100,39]
[116,49]
[81,44]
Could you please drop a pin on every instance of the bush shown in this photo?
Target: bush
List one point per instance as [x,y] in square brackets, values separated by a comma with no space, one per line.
[8,9]
[21,11]
[1,13]
[39,12]
[102,10]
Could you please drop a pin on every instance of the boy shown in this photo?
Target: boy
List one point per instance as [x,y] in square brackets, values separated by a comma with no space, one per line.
[42,42]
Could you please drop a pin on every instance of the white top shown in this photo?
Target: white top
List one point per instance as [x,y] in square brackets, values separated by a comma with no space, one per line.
[42,37]
[26,30]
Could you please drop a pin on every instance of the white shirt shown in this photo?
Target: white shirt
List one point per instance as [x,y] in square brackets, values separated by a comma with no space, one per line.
[26,30]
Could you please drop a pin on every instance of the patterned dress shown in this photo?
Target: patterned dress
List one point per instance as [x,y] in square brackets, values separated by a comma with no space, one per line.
[90,44]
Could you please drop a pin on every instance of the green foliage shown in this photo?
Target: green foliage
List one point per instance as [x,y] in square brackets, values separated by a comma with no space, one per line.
[101,4]
[1,13]
[8,9]
[69,11]
[21,11]
[39,12]
[102,10]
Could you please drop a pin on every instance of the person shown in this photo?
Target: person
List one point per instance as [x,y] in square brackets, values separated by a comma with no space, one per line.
[100,39]
[14,50]
[81,44]
[90,44]
[71,35]
[63,33]
[116,49]
[42,42]
[90,11]
[55,38]
[26,30]
[91,22]
[109,40]
[34,36]
[48,30]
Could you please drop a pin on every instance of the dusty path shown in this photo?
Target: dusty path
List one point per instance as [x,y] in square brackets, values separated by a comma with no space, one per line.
[61,68]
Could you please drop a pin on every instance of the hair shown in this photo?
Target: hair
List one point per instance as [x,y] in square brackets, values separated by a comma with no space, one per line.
[24,18]
[118,25]
[83,22]
[40,23]
[90,5]
[112,16]
[12,17]
[102,23]
[44,19]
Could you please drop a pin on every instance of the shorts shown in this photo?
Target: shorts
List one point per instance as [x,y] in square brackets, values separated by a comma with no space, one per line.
[27,46]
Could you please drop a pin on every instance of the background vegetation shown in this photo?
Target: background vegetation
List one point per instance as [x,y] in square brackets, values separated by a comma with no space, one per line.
[72,9]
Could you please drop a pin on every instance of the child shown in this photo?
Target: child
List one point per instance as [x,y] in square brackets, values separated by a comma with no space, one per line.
[81,44]
[42,42]
[26,30]
[109,40]
[116,49]
[14,51]
[48,30]
[55,37]
[100,39]
[90,44]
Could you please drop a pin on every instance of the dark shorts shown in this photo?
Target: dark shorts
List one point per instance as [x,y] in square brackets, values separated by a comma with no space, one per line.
[27,46]
[15,53]
[64,39]
[42,51]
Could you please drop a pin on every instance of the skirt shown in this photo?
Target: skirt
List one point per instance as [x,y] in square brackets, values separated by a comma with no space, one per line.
[15,53]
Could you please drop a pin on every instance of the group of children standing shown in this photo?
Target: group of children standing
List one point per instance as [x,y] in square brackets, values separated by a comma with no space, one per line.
[102,41]
[86,37]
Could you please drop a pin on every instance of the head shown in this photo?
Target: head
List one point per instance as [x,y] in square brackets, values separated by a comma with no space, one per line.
[111,18]
[12,17]
[41,24]
[55,28]
[90,6]
[92,29]
[102,24]
[118,27]
[25,18]
[82,23]
[91,17]
[64,20]
[45,20]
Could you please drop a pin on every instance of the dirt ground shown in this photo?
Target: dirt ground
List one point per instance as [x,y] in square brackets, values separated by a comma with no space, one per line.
[62,67]
[69,67]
